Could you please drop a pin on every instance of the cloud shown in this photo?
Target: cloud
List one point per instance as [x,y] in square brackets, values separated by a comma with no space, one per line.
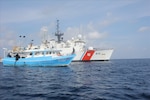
[108,20]
[9,39]
[91,31]
[96,35]
[21,14]
[108,14]
[144,29]
[72,32]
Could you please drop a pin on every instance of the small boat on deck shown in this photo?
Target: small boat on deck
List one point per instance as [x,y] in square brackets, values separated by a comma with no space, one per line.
[42,58]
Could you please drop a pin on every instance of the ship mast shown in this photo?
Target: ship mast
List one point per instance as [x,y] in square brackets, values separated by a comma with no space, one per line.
[58,34]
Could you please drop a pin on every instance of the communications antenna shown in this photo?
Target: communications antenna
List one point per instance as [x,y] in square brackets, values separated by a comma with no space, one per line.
[58,33]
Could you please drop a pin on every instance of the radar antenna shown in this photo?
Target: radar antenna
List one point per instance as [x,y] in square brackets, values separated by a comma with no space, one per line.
[58,34]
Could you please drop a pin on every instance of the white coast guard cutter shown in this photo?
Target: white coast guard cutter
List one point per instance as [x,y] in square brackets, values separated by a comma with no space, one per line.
[82,53]
[78,44]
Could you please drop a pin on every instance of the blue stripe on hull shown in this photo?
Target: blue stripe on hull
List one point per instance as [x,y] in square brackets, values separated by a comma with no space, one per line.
[39,61]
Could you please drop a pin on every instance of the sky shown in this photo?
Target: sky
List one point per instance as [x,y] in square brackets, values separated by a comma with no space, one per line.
[123,25]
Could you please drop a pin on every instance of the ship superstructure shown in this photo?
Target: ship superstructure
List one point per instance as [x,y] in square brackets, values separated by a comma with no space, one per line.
[82,52]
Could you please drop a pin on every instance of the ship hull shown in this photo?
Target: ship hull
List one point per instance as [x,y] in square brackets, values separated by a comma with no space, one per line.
[93,55]
[39,61]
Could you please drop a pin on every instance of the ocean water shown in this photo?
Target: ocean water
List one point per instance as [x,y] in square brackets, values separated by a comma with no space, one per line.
[107,80]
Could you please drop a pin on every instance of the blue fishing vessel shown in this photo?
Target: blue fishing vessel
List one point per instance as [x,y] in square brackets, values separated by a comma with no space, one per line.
[37,58]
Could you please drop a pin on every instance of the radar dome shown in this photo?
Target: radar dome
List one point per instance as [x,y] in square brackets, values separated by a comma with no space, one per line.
[80,36]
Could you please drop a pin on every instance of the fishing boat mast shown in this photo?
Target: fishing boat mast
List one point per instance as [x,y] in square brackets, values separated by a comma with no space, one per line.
[58,33]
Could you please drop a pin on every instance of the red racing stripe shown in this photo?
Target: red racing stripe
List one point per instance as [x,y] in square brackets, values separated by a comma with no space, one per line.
[87,56]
